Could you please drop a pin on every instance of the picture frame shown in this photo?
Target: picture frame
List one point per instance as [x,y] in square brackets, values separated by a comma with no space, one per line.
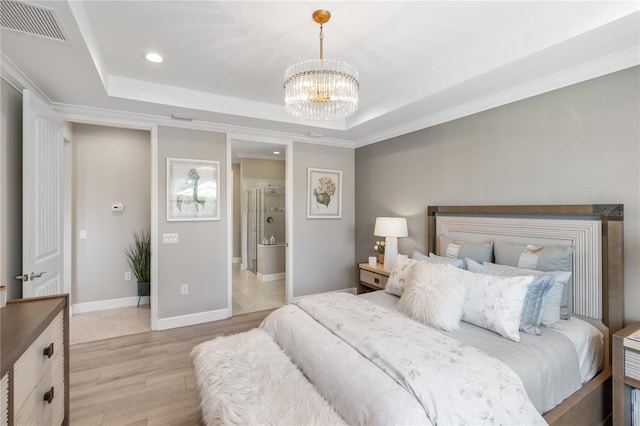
[193,190]
[324,194]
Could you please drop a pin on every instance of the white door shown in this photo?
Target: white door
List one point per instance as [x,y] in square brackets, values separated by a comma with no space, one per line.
[42,190]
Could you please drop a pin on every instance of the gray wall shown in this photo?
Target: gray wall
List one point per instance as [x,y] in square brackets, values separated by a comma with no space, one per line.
[576,145]
[10,189]
[323,248]
[200,257]
[109,164]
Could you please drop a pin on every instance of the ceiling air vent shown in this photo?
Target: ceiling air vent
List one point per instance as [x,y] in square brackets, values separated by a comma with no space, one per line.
[30,19]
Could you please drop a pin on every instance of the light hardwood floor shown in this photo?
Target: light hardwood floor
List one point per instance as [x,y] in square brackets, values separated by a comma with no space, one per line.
[145,378]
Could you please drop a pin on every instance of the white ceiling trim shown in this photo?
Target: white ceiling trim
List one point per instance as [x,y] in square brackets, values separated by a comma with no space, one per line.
[80,15]
[19,80]
[146,91]
[596,68]
[101,116]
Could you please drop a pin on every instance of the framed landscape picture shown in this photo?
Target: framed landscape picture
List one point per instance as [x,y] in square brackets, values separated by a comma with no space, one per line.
[193,190]
[324,194]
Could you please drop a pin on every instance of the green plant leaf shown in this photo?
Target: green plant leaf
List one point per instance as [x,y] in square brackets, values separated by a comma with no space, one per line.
[139,255]
[323,199]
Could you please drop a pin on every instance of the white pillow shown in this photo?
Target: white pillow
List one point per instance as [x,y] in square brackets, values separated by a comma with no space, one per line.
[495,302]
[434,296]
[548,303]
[399,276]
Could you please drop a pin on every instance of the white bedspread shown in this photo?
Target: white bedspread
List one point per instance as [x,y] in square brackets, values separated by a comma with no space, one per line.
[411,373]
[550,365]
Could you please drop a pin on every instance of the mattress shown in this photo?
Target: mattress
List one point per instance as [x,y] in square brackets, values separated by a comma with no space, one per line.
[528,357]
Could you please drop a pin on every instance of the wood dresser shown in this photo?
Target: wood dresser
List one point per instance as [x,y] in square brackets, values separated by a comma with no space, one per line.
[626,375]
[35,362]
[371,278]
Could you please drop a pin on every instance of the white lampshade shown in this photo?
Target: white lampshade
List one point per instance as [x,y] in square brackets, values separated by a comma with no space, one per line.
[391,228]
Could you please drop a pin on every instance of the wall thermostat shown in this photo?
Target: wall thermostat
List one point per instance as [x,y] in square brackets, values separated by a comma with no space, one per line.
[117,207]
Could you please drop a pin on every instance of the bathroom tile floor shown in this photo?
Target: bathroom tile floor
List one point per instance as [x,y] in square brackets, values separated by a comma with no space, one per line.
[98,325]
[249,295]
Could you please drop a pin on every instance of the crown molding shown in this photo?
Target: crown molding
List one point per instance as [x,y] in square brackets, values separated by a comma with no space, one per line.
[609,64]
[102,116]
[19,80]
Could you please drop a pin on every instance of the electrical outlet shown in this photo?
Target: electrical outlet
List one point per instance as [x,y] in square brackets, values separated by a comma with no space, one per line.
[184,289]
[127,276]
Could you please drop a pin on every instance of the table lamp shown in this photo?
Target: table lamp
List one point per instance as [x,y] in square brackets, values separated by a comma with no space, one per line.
[391,228]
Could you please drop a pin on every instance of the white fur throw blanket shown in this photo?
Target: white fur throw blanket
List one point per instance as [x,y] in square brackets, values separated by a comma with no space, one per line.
[246,379]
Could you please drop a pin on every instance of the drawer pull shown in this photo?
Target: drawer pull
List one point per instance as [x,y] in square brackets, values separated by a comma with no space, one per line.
[376,280]
[48,396]
[48,351]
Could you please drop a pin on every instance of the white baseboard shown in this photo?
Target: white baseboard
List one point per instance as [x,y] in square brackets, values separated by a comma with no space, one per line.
[191,319]
[237,260]
[351,290]
[271,277]
[101,305]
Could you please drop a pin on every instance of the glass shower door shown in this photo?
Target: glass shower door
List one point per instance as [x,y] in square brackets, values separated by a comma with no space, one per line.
[252,230]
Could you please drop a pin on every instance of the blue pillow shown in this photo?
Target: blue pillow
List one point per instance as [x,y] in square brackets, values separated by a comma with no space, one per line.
[432,258]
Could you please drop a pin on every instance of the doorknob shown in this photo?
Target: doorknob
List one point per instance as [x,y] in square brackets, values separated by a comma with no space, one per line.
[27,277]
[38,275]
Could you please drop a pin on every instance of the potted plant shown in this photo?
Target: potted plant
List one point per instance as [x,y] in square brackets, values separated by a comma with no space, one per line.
[379,247]
[139,259]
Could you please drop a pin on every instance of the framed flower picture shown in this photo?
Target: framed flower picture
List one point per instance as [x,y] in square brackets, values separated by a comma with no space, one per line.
[193,190]
[324,194]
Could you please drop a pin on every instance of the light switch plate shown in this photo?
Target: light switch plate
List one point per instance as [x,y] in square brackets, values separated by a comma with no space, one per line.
[170,238]
[83,234]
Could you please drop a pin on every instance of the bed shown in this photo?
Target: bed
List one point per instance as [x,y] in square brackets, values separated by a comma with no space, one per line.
[376,365]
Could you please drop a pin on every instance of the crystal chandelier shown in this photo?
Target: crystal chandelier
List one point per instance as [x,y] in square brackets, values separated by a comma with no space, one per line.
[321,89]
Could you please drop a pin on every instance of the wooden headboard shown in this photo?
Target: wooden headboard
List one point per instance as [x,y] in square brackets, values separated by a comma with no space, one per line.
[602,284]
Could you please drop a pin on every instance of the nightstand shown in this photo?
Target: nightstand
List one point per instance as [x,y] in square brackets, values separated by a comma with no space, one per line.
[626,374]
[372,278]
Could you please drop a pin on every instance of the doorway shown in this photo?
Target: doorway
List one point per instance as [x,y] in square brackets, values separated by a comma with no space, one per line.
[259,268]
[109,190]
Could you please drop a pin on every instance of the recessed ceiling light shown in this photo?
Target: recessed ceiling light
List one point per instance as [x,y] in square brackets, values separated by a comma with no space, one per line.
[276,152]
[153,57]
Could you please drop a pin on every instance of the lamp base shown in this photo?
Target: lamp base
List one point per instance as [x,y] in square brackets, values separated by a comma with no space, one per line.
[390,252]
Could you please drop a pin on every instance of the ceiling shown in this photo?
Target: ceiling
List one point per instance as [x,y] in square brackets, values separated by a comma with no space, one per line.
[420,62]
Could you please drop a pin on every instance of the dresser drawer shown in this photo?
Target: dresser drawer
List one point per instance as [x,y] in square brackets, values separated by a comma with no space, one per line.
[24,379]
[373,279]
[632,363]
[39,369]
[51,340]
[4,400]
[51,384]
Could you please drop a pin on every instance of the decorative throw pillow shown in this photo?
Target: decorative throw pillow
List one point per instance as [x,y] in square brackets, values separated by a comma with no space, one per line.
[495,302]
[458,263]
[416,255]
[399,276]
[480,252]
[434,296]
[548,303]
[530,256]
[432,258]
[550,310]
[530,318]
